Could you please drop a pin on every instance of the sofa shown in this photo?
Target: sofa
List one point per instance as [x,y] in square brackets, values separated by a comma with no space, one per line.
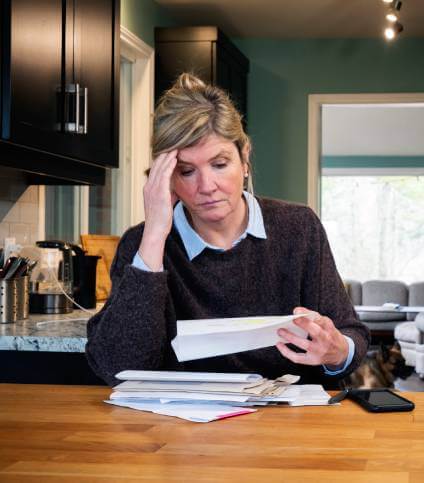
[379,292]
[410,336]
[407,327]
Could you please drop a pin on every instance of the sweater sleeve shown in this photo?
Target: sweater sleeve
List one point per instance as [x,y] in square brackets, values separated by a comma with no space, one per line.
[325,292]
[130,332]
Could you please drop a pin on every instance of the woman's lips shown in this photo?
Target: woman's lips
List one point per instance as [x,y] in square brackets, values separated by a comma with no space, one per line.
[210,203]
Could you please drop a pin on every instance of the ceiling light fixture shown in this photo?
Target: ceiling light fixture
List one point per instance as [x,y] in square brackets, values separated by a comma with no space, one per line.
[395,27]
[395,7]
[391,32]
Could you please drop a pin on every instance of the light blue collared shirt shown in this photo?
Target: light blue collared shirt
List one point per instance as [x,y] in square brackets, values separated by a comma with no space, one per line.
[194,243]
[194,246]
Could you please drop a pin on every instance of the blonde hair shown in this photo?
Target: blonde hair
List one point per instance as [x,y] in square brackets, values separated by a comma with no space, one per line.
[191,110]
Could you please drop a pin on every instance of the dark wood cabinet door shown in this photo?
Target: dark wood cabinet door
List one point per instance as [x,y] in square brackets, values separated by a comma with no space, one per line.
[92,66]
[174,58]
[232,77]
[52,46]
[206,52]
[32,98]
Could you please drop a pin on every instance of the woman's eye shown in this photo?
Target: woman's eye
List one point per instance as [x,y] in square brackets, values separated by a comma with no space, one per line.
[220,165]
[186,172]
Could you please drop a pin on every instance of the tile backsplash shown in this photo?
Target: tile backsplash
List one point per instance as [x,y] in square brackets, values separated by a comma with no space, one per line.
[18,208]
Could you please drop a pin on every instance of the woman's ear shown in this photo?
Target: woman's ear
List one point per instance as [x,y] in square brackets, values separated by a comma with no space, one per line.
[245,153]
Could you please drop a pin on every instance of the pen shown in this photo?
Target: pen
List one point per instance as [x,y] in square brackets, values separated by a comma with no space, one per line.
[339,396]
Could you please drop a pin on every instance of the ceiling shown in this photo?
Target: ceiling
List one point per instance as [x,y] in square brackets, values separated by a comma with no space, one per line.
[297,18]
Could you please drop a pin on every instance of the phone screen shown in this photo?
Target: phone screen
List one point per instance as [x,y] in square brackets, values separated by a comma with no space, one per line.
[382,398]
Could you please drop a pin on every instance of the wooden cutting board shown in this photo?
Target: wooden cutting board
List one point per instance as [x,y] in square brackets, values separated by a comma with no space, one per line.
[105,247]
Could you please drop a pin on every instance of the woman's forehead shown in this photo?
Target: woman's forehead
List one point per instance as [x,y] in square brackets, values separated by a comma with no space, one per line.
[207,148]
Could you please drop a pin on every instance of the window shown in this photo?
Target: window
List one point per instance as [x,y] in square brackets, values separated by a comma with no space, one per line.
[375,225]
[372,189]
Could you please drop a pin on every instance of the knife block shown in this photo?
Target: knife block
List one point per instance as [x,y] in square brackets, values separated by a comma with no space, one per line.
[14,299]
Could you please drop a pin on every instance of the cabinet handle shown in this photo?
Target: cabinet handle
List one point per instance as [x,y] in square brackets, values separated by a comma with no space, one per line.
[77,108]
[85,110]
[75,91]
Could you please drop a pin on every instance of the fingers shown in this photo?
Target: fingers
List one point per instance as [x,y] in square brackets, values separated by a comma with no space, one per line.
[323,344]
[163,165]
[314,323]
[290,338]
[296,357]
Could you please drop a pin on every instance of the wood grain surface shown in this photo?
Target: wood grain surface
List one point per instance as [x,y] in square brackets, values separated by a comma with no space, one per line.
[66,433]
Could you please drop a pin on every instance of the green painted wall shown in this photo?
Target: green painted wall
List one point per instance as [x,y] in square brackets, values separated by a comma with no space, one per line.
[142,16]
[284,72]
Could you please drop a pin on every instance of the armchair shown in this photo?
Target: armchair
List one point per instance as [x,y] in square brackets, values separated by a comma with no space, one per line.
[410,335]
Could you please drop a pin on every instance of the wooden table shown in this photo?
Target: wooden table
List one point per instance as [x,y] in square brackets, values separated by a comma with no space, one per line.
[66,433]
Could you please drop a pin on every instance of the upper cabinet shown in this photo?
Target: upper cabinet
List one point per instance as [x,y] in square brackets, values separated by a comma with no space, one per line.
[60,87]
[206,52]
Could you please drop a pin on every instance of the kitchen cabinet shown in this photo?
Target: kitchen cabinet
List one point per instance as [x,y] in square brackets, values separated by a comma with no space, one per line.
[60,87]
[206,52]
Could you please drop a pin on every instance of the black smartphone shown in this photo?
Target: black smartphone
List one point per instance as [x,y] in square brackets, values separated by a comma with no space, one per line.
[380,400]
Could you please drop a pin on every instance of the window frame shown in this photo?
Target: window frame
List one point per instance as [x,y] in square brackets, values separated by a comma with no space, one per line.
[315,103]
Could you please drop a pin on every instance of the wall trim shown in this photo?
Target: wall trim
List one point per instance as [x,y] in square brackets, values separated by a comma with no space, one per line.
[141,56]
[315,102]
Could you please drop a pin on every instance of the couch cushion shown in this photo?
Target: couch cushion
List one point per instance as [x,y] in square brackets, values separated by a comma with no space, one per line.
[379,292]
[416,297]
[354,290]
[407,332]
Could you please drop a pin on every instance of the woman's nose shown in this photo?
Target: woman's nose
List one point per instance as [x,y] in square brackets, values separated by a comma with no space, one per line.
[206,182]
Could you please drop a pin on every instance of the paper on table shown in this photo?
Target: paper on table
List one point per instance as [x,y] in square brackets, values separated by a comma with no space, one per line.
[199,339]
[311,395]
[179,395]
[174,376]
[198,387]
[199,413]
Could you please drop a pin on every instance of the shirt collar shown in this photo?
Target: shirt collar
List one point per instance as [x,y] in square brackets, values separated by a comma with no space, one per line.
[194,243]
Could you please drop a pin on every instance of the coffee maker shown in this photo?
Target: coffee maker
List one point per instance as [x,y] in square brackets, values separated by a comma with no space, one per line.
[52,281]
[64,273]
[84,271]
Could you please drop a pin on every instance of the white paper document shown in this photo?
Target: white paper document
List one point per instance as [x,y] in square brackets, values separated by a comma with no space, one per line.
[198,413]
[203,396]
[176,396]
[199,339]
[197,387]
[186,376]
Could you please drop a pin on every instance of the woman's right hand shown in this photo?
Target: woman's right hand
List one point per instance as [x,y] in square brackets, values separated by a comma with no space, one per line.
[158,208]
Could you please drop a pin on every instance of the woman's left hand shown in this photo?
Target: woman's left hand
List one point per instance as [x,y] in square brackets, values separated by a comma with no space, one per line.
[325,345]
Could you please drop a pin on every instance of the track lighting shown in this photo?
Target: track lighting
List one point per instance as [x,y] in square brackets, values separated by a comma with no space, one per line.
[392,16]
[391,32]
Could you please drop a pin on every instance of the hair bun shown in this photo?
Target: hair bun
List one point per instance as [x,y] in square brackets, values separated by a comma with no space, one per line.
[189,81]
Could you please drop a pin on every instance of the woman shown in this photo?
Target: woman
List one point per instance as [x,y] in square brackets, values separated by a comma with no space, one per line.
[220,252]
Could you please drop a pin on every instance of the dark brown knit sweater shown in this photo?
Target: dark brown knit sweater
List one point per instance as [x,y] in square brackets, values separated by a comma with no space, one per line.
[292,267]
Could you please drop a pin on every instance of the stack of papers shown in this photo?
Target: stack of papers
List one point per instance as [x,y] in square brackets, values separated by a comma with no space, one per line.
[206,396]
[201,338]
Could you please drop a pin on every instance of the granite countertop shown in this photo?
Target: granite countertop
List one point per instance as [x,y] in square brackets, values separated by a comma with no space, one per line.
[47,333]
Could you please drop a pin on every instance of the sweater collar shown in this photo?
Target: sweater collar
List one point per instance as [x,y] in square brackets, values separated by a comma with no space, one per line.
[194,243]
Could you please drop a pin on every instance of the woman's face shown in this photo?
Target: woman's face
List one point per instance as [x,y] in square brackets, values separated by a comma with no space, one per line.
[208,179]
